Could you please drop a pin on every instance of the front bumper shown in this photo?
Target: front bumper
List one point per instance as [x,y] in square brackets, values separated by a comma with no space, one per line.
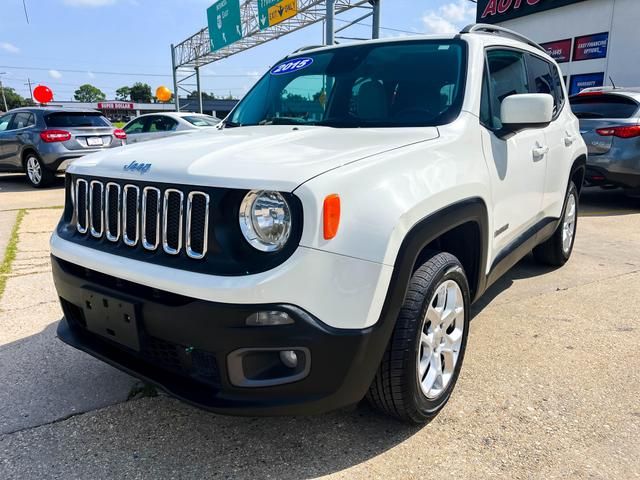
[186,344]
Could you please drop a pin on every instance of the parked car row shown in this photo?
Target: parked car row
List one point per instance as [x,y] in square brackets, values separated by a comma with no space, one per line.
[610,125]
[42,141]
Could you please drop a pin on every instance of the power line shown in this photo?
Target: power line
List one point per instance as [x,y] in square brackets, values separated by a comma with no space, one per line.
[132,74]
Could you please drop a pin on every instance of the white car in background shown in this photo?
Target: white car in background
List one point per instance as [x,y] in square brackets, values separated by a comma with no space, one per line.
[152,126]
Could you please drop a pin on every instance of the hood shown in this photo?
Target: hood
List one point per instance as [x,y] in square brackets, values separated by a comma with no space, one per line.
[271,157]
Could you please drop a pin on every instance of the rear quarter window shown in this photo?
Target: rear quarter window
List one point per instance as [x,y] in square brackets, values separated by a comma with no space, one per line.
[603,106]
[73,119]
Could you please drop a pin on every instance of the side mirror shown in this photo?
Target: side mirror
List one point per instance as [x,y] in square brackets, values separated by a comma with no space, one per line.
[526,110]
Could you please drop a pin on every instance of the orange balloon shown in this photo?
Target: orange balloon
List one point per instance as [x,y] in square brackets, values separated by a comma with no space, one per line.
[163,94]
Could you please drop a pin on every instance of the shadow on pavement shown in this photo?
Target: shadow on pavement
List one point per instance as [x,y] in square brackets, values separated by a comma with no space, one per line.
[42,380]
[17,182]
[596,202]
[45,381]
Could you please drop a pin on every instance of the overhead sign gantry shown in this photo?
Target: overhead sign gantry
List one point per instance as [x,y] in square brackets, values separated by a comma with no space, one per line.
[238,25]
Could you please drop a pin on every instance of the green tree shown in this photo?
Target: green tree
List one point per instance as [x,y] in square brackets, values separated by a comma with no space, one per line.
[89,94]
[123,93]
[140,93]
[14,99]
[205,96]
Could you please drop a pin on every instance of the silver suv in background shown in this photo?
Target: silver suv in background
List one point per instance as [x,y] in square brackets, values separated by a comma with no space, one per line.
[610,125]
[42,141]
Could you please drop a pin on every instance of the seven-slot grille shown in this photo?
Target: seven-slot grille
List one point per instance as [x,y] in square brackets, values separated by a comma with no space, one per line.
[143,215]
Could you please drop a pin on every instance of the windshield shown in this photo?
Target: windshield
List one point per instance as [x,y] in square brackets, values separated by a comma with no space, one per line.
[417,83]
[201,121]
[76,119]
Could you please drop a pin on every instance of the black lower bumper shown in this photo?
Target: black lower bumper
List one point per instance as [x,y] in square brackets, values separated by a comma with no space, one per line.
[185,346]
[598,176]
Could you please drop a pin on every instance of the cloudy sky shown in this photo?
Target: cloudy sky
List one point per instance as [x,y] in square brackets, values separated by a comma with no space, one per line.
[111,43]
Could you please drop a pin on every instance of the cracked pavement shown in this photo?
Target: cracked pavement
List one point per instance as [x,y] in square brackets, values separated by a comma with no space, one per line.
[549,388]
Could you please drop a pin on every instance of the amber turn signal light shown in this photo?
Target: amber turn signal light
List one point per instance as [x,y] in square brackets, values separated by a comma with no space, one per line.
[331,216]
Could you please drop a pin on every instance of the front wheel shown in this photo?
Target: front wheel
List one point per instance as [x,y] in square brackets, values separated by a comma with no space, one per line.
[423,359]
[557,249]
[37,174]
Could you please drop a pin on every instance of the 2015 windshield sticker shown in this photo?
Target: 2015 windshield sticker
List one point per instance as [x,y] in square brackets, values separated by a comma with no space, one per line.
[292,66]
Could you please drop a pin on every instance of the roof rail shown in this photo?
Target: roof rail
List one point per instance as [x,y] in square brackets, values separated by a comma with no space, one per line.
[304,49]
[495,30]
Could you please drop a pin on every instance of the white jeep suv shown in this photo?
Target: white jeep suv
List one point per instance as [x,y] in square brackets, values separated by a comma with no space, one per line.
[326,242]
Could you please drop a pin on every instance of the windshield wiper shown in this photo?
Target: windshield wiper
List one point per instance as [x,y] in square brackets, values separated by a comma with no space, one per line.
[284,121]
[230,124]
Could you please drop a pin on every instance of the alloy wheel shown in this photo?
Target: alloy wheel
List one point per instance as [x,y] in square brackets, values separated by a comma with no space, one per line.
[569,223]
[441,339]
[34,171]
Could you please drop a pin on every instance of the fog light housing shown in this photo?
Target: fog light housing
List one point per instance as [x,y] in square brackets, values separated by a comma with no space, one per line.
[269,318]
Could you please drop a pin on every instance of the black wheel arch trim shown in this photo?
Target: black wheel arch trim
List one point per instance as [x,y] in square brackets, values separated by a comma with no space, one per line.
[422,234]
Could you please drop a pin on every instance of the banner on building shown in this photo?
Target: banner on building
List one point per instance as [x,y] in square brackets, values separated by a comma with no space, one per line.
[495,11]
[560,50]
[589,47]
[587,80]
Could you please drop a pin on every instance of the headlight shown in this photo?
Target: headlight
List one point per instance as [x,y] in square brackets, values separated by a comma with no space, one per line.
[265,220]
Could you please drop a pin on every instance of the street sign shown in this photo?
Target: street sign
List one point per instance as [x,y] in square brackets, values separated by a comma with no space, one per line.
[272,12]
[225,24]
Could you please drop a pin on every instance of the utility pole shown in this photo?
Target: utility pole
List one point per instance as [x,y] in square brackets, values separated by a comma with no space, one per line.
[4,99]
[329,25]
[30,89]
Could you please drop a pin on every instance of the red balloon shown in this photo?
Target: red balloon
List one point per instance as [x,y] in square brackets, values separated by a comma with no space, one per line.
[42,94]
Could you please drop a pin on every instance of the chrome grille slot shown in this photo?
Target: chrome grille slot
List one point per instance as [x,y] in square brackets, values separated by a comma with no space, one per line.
[197,231]
[130,215]
[145,217]
[150,218]
[113,211]
[96,208]
[81,212]
[172,221]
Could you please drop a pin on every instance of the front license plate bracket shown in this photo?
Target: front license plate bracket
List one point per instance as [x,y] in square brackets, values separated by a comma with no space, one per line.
[111,318]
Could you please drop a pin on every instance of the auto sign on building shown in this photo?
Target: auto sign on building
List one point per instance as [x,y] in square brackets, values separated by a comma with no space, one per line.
[225,25]
[594,41]
[272,12]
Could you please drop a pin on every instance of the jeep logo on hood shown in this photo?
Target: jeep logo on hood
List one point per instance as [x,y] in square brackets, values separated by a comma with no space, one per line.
[137,167]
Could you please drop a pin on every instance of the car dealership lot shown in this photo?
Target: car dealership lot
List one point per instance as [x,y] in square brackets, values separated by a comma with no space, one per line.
[549,388]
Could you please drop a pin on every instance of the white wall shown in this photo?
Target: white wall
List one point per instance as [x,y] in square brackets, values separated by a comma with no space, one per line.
[621,18]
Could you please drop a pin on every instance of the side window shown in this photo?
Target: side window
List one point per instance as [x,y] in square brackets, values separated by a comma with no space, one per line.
[162,124]
[507,75]
[545,80]
[21,120]
[5,120]
[137,126]
[485,102]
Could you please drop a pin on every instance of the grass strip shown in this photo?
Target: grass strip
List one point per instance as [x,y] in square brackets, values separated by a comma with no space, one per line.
[10,252]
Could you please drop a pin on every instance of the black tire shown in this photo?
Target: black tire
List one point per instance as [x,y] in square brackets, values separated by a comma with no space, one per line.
[396,388]
[46,176]
[552,251]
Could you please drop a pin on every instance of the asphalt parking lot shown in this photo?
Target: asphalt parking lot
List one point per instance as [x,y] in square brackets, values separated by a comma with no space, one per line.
[549,388]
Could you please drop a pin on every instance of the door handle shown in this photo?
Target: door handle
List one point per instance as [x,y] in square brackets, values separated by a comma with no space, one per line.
[540,152]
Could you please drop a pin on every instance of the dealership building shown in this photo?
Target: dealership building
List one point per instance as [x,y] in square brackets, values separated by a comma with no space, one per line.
[594,41]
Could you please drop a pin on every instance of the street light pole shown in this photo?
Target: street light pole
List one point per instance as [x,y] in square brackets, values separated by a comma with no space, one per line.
[4,99]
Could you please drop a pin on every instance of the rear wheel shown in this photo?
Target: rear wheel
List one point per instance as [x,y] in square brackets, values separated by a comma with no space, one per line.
[557,250]
[424,356]
[37,175]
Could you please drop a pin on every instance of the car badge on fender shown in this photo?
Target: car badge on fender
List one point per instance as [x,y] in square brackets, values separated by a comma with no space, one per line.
[137,167]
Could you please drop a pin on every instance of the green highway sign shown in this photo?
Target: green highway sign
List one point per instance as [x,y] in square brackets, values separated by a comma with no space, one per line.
[272,12]
[225,24]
